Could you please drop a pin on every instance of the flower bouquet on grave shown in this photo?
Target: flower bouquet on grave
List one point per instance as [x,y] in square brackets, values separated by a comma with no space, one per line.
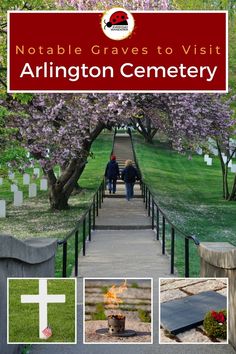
[215,324]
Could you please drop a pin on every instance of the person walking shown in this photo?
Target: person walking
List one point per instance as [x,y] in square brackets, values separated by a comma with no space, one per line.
[129,176]
[112,173]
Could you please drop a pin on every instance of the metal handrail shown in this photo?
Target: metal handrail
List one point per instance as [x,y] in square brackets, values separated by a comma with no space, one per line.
[90,217]
[152,205]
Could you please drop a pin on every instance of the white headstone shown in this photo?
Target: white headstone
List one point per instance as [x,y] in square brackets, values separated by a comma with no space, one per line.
[18,198]
[44,184]
[32,190]
[1,181]
[11,175]
[233,168]
[230,163]
[209,161]
[215,152]
[206,157]
[2,208]
[199,151]
[224,158]
[36,172]
[26,179]
[14,188]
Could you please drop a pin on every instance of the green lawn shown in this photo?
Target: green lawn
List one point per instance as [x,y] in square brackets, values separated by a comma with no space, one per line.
[190,194]
[34,219]
[24,318]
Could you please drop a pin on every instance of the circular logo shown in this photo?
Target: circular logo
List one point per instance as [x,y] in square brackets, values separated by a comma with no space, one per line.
[117,23]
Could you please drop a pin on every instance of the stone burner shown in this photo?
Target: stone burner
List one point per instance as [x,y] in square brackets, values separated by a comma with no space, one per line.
[116,327]
[116,324]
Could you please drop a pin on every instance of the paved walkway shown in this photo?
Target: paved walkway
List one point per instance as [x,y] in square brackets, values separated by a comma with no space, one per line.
[124,246]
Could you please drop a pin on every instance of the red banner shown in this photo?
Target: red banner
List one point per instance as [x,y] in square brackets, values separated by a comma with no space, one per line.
[117,51]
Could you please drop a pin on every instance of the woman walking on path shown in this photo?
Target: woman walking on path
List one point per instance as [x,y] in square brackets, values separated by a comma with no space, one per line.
[112,173]
[129,176]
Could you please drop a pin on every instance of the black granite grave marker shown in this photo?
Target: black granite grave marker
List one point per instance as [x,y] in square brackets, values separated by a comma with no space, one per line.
[186,313]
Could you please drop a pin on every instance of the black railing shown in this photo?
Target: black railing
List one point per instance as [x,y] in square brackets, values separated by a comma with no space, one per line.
[85,225]
[158,218]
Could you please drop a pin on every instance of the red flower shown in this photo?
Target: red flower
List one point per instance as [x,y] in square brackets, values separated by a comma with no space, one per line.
[218,316]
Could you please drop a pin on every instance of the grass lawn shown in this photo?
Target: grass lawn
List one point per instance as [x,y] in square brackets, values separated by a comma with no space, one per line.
[24,318]
[190,193]
[34,219]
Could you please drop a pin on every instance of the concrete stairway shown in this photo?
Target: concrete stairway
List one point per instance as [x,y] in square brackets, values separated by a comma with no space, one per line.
[123,245]
[123,151]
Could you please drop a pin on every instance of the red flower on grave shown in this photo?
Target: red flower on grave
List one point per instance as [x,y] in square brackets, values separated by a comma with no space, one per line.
[218,316]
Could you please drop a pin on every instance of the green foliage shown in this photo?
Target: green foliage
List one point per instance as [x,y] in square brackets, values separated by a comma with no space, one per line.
[189,192]
[104,289]
[14,153]
[23,98]
[99,315]
[144,315]
[213,328]
[26,349]
[229,5]
[134,285]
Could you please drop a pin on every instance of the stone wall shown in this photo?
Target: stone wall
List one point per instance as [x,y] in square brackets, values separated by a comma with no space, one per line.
[31,258]
[218,259]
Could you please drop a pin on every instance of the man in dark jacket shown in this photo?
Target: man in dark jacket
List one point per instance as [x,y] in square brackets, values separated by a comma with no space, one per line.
[112,173]
[129,176]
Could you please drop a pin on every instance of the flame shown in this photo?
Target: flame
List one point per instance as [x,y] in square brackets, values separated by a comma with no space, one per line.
[111,296]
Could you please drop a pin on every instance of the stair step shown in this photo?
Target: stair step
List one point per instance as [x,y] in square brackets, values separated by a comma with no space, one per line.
[120,196]
[123,227]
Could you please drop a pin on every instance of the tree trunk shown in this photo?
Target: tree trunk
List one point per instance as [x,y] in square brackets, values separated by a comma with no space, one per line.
[61,189]
[232,195]
[224,172]
[148,139]
[58,200]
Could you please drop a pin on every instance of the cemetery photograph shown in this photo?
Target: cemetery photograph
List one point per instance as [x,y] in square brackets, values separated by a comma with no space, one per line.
[118,310]
[193,310]
[30,323]
[170,228]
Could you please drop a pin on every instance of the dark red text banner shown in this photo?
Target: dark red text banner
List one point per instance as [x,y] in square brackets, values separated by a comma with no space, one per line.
[72,51]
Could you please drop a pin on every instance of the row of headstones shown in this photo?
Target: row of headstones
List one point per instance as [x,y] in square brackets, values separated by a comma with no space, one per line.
[18,195]
[209,161]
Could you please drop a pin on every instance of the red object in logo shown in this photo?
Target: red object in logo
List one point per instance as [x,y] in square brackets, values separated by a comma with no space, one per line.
[118,18]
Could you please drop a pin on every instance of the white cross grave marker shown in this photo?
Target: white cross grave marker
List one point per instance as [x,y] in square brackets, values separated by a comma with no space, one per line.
[43,299]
